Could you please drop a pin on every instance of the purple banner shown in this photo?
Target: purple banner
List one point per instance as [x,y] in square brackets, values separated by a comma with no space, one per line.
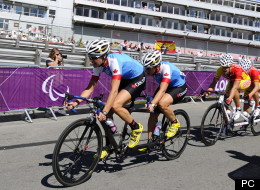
[22,88]
[197,80]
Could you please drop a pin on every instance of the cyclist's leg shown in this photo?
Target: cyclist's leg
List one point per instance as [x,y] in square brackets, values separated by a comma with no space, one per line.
[172,96]
[153,118]
[129,90]
[246,102]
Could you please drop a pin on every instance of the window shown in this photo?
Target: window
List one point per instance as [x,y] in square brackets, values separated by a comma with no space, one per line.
[116,17]
[217,17]
[109,15]
[18,9]
[123,18]
[137,19]
[143,20]
[86,12]
[229,19]
[94,13]
[110,1]
[200,29]
[52,13]
[176,25]
[79,11]
[164,8]
[33,11]
[123,2]
[163,24]
[150,22]
[130,18]
[117,2]
[41,13]
[170,9]
[130,3]
[176,10]
[169,24]
[26,11]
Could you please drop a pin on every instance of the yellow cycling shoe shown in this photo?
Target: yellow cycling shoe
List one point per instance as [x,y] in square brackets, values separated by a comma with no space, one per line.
[104,152]
[135,136]
[142,149]
[173,129]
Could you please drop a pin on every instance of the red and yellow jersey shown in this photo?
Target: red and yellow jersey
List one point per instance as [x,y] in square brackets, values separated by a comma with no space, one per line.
[254,74]
[236,73]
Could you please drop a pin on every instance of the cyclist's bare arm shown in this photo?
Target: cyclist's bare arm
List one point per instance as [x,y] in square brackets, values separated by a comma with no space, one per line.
[85,93]
[234,89]
[255,89]
[159,95]
[112,95]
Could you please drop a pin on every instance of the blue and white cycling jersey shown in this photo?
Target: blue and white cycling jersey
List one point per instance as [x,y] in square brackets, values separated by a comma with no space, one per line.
[119,66]
[170,74]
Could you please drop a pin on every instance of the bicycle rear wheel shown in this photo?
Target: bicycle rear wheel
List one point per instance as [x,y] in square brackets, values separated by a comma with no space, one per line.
[255,127]
[174,146]
[211,125]
[77,153]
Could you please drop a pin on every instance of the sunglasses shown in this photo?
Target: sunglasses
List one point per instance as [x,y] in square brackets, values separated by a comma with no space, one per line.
[93,58]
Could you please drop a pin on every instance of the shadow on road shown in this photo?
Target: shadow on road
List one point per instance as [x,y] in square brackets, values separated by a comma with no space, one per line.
[249,171]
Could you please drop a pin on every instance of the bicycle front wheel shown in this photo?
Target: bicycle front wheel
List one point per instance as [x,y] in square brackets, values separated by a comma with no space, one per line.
[211,125]
[255,127]
[77,153]
[174,146]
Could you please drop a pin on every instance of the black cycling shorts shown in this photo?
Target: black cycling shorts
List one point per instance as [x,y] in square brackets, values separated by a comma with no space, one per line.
[177,93]
[134,86]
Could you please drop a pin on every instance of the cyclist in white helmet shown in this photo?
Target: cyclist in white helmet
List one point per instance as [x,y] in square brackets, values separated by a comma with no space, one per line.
[238,80]
[253,90]
[172,89]
[128,81]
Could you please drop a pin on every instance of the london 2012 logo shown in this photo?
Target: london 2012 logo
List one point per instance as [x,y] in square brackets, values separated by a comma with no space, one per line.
[47,88]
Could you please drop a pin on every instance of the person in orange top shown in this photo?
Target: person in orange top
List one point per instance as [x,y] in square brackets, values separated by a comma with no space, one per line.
[238,80]
[253,90]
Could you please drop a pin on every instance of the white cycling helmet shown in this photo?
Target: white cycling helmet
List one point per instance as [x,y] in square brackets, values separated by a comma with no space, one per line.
[245,63]
[97,48]
[226,60]
[151,59]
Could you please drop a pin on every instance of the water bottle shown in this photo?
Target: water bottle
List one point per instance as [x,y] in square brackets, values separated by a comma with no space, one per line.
[111,124]
[157,129]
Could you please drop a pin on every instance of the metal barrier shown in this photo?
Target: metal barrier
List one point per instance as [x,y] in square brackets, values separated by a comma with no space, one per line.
[36,53]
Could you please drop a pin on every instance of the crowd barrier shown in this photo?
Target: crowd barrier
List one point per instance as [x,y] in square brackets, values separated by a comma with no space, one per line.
[28,88]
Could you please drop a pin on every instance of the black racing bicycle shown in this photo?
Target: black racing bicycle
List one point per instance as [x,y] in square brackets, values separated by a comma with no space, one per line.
[219,118]
[78,149]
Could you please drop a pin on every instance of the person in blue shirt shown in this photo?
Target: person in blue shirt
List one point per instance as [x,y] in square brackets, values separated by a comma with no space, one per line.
[128,81]
[172,89]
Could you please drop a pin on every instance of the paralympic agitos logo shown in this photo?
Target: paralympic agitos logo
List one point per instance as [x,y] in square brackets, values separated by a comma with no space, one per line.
[47,88]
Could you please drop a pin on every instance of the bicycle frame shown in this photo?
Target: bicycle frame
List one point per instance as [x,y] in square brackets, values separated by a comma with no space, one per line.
[230,119]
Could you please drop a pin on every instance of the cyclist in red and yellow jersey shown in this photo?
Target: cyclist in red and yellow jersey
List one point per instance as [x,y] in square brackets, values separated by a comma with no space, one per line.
[238,80]
[253,90]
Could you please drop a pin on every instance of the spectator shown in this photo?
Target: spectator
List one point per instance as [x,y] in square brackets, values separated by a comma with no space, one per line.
[125,45]
[55,59]
[200,54]
[163,49]
[54,39]
[141,47]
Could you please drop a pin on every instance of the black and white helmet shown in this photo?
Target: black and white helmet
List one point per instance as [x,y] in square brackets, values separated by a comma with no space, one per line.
[245,63]
[151,59]
[97,48]
[226,60]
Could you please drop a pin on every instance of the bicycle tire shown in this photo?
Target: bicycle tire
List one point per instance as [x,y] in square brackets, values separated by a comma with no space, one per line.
[255,127]
[77,152]
[173,147]
[210,128]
